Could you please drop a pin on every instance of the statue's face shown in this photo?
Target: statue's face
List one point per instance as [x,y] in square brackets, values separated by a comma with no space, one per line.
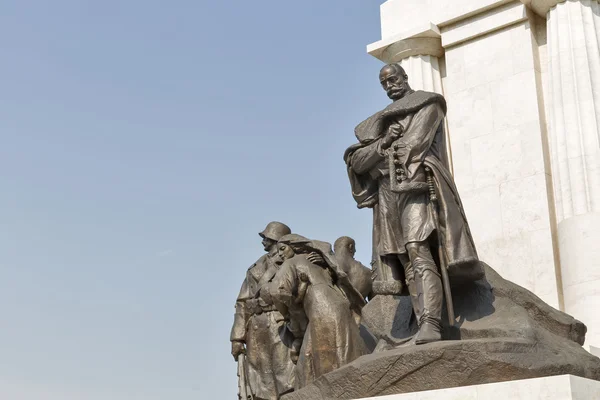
[285,251]
[393,82]
[352,248]
[268,243]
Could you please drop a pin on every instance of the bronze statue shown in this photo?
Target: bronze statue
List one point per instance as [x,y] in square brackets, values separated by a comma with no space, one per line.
[387,171]
[422,247]
[359,275]
[259,330]
[319,302]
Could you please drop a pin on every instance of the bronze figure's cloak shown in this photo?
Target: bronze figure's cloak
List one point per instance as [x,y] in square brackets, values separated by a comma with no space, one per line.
[331,337]
[399,218]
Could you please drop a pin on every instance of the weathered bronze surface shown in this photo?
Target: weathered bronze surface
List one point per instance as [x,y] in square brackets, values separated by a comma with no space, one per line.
[321,304]
[387,173]
[360,276]
[506,332]
[437,317]
[259,330]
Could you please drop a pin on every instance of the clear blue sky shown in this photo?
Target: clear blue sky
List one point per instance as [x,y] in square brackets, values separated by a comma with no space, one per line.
[143,146]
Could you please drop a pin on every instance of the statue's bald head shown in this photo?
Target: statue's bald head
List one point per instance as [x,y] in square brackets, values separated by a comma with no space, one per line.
[394,81]
[394,68]
[344,244]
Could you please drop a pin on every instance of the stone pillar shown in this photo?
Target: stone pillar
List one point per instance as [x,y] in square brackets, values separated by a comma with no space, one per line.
[418,53]
[496,127]
[423,72]
[573,113]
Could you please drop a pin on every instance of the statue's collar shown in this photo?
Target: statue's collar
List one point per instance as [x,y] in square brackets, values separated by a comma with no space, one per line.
[375,126]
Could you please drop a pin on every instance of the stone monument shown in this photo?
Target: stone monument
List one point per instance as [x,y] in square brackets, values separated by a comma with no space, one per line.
[490,330]
[437,316]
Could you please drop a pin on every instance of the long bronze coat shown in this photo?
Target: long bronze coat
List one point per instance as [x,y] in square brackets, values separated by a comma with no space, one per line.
[270,369]
[399,218]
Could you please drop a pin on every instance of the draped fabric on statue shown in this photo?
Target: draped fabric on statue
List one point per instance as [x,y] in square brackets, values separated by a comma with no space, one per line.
[331,338]
[356,299]
[421,116]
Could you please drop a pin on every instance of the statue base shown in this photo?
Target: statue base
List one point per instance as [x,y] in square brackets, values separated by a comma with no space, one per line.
[449,364]
[563,387]
[503,333]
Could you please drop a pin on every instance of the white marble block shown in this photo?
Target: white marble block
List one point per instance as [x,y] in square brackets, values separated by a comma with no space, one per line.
[497,153]
[562,387]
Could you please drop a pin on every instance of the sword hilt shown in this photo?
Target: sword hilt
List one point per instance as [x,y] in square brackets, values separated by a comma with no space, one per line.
[430,184]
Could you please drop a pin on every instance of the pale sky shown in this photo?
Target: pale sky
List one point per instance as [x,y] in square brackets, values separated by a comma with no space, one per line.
[143,146]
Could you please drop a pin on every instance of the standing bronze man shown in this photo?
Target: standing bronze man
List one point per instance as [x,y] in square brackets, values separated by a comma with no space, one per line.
[388,171]
[259,330]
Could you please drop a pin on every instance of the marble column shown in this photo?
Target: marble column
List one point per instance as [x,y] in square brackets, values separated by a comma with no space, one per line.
[423,72]
[419,56]
[573,113]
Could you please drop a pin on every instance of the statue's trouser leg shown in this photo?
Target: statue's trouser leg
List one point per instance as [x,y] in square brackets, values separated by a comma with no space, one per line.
[389,279]
[429,290]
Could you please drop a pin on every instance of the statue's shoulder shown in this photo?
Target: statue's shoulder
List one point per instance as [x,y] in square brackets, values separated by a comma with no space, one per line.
[359,268]
[291,265]
[366,272]
[424,98]
[373,127]
[363,267]
[299,259]
[414,102]
[424,94]
[258,263]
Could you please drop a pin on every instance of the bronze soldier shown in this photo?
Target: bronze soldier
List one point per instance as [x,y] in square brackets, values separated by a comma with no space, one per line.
[359,275]
[259,330]
[387,171]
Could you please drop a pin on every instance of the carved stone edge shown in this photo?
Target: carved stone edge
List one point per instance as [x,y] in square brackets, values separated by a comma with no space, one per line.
[424,41]
[541,7]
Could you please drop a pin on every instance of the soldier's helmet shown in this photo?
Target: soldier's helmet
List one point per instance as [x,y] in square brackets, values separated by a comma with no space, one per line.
[275,231]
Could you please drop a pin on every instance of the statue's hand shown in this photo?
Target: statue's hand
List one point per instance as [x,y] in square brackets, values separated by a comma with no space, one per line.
[303,276]
[316,258]
[393,133]
[295,350]
[294,356]
[237,348]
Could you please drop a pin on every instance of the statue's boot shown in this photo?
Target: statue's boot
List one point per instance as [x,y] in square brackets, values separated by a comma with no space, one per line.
[429,332]
[412,291]
[429,290]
